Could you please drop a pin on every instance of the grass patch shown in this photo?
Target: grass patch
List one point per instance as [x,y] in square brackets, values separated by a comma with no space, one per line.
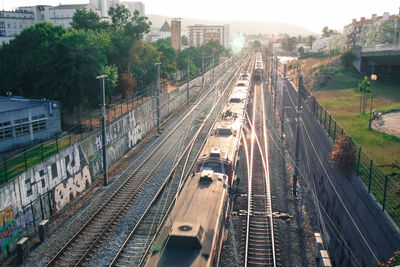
[343,101]
[344,78]
[31,157]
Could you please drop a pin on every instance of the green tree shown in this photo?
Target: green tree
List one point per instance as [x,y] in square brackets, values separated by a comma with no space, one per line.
[79,59]
[326,32]
[184,40]
[195,56]
[256,45]
[111,81]
[166,41]
[300,50]
[143,55]
[347,59]
[288,43]
[167,59]
[310,40]
[125,32]
[88,20]
[120,16]
[24,59]
[364,88]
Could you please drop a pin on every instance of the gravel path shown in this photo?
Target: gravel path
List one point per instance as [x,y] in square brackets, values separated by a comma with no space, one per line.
[391,123]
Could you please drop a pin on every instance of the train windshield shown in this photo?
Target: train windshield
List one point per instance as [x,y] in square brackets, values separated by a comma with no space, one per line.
[215,166]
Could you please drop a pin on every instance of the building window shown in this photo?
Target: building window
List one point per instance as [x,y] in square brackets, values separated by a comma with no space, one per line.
[22,129]
[38,126]
[21,120]
[5,133]
[28,185]
[5,123]
[36,117]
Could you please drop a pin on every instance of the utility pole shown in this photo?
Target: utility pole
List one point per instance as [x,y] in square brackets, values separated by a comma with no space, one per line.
[202,69]
[275,82]
[187,87]
[158,96]
[103,126]
[212,67]
[298,124]
[284,71]
[282,102]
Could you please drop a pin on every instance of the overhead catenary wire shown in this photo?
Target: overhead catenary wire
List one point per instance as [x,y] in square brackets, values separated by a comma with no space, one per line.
[333,186]
[353,256]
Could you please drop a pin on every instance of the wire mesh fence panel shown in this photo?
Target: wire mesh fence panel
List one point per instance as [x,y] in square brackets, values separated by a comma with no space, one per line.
[393,198]
[372,176]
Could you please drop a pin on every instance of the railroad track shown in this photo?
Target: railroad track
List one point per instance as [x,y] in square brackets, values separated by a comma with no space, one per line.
[137,245]
[88,238]
[257,243]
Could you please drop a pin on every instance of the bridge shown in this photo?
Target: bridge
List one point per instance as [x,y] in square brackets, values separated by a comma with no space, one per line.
[381,59]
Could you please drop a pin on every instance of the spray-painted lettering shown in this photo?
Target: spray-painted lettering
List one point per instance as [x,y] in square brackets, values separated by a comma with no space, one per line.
[65,192]
[8,228]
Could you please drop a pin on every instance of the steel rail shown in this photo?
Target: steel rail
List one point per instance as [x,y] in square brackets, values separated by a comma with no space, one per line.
[187,151]
[118,190]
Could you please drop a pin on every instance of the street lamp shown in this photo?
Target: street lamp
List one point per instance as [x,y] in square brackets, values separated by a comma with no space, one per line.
[373,78]
[103,125]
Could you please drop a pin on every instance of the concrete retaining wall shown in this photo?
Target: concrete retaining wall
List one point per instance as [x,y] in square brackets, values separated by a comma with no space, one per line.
[49,186]
[355,227]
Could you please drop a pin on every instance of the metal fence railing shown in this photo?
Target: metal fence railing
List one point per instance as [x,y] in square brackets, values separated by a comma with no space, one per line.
[17,163]
[384,188]
[11,166]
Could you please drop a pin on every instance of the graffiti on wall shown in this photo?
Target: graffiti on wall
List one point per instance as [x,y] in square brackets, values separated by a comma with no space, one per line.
[129,124]
[65,192]
[8,228]
[45,176]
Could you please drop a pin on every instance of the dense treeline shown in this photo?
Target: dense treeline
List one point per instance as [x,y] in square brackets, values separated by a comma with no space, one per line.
[47,61]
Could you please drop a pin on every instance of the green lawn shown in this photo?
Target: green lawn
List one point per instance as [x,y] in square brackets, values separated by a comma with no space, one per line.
[343,101]
[33,156]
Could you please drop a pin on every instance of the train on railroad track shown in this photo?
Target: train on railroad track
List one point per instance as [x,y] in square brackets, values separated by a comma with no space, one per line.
[194,232]
[258,68]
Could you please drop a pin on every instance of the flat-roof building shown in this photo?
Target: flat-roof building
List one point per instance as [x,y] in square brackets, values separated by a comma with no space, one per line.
[12,23]
[200,34]
[26,121]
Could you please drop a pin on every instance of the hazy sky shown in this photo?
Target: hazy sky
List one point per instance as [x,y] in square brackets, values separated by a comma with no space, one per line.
[312,14]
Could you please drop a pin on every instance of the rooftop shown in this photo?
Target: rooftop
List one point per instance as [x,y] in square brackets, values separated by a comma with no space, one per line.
[73,6]
[165,27]
[18,102]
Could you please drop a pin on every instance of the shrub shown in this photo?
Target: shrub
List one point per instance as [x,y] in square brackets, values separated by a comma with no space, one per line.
[344,154]
[347,59]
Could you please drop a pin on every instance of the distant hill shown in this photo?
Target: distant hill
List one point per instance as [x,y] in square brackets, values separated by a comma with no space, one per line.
[248,27]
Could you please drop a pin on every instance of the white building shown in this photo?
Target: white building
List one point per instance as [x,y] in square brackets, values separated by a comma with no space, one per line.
[200,34]
[101,7]
[132,6]
[40,12]
[320,44]
[62,14]
[12,23]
